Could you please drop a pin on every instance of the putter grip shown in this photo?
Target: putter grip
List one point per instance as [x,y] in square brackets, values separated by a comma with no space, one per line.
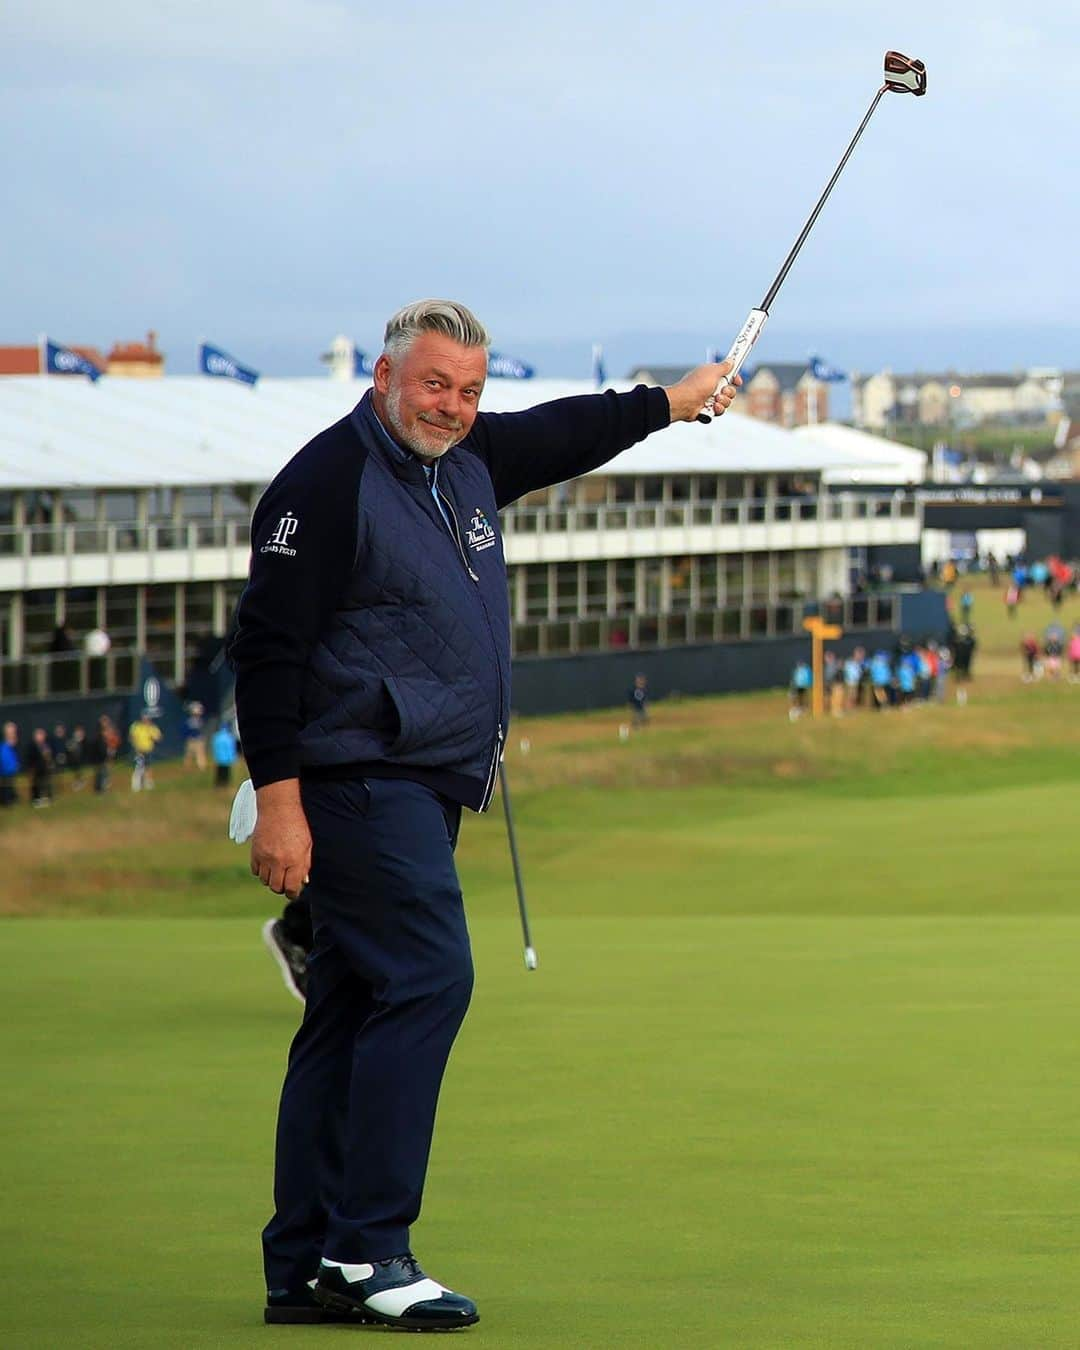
[740,350]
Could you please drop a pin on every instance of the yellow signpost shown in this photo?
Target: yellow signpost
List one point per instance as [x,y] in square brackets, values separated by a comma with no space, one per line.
[819,631]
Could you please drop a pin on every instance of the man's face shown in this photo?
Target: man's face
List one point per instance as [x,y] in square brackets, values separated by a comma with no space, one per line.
[430,394]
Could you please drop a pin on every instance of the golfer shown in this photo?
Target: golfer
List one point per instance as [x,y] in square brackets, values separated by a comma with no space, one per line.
[372,658]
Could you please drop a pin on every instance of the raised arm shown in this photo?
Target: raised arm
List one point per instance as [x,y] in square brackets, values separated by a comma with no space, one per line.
[569,436]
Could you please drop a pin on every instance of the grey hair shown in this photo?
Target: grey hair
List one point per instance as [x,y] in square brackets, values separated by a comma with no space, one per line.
[433,316]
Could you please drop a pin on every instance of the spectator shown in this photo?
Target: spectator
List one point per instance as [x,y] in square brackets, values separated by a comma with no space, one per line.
[61,640]
[76,758]
[854,670]
[102,752]
[802,678]
[223,748]
[1053,650]
[195,737]
[880,679]
[10,765]
[638,698]
[1029,658]
[833,676]
[963,645]
[39,761]
[967,604]
[1012,599]
[992,566]
[143,736]
[1074,654]
[58,746]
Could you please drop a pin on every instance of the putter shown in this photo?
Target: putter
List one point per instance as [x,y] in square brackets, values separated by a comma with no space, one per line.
[903,75]
[530,950]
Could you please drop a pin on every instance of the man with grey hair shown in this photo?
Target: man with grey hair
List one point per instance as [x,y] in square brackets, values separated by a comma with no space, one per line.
[372,658]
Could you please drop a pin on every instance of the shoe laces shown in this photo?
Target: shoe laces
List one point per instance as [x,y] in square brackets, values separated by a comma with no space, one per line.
[410,1264]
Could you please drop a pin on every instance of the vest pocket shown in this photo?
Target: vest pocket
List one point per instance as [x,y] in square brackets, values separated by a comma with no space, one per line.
[405,726]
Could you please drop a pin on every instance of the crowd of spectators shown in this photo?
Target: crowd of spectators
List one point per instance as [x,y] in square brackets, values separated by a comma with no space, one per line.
[58,761]
[878,680]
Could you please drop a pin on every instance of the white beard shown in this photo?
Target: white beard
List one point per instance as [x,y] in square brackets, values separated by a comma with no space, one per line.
[416,442]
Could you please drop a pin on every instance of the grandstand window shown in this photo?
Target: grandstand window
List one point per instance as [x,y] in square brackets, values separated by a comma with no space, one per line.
[237,502]
[536,591]
[652,584]
[709,487]
[625,490]
[526,639]
[160,502]
[122,615]
[596,588]
[81,609]
[592,491]
[734,593]
[78,506]
[625,586]
[196,503]
[558,637]
[785,575]
[680,582]
[652,488]
[759,576]
[707,581]
[680,487]
[120,506]
[566,588]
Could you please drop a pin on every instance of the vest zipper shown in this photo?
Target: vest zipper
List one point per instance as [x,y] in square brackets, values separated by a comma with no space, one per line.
[496,754]
[493,772]
[457,534]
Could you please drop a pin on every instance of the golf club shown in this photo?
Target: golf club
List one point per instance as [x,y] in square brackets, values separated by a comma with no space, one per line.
[530,950]
[903,75]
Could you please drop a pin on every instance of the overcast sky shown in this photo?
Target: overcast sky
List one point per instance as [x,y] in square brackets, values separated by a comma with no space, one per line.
[269,174]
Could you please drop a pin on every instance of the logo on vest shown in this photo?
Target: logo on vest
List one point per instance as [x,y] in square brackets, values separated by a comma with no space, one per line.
[480,533]
[279,540]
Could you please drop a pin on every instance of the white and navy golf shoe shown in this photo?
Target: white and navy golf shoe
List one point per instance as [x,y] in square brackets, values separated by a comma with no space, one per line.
[396,1293]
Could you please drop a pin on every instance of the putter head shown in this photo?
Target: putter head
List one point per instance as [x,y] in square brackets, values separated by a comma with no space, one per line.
[904,75]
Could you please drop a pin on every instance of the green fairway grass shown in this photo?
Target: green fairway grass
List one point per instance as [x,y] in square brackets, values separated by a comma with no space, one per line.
[797,1068]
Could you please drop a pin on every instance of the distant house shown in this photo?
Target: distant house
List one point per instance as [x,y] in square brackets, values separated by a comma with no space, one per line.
[131,359]
[136,360]
[781,392]
[26,359]
[952,398]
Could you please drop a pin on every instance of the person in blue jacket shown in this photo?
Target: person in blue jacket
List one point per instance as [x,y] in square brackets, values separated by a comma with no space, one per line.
[223,749]
[372,659]
[10,764]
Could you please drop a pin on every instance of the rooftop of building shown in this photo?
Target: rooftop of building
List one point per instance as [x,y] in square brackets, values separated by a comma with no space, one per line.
[194,430]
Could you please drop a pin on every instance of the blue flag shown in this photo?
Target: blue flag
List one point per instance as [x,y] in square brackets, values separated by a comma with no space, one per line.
[362,363]
[213,361]
[508,367]
[63,361]
[598,372]
[821,370]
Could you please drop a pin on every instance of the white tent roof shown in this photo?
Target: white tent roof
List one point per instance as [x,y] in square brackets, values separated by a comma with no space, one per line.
[877,460]
[192,430]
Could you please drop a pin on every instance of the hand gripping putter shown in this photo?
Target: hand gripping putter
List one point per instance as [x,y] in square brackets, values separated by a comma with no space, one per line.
[902,76]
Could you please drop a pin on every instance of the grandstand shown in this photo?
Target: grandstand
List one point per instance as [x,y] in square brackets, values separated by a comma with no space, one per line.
[125,506]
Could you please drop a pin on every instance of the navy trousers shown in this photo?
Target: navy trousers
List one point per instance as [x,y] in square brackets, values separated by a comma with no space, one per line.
[389,982]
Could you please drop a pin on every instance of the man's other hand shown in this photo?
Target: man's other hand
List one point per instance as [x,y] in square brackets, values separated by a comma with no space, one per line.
[687,398]
[281,844]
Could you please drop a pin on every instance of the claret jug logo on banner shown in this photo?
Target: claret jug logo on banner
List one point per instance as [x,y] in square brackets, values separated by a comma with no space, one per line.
[279,540]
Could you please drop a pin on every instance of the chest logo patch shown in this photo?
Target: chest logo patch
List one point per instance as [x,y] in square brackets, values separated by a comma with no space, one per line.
[480,533]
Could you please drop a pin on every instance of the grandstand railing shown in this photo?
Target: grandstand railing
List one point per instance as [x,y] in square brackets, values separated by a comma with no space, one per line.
[56,674]
[72,539]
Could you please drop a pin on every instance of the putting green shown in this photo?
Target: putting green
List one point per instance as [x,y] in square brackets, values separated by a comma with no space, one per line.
[742,1131]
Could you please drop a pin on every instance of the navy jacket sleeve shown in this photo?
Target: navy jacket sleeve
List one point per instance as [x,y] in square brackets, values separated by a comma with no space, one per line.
[554,441]
[303,548]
